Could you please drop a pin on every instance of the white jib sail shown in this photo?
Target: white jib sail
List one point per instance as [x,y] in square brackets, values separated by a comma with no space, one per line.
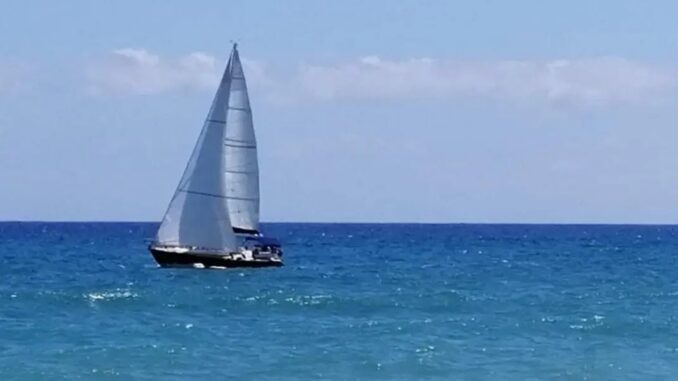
[198,213]
[242,168]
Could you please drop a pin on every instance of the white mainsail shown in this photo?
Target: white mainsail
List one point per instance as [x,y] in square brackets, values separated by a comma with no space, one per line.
[198,213]
[242,168]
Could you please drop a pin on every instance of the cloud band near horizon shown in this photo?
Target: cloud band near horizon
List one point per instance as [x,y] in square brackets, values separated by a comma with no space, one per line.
[588,81]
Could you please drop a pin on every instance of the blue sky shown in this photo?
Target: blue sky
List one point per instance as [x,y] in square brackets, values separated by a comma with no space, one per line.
[436,111]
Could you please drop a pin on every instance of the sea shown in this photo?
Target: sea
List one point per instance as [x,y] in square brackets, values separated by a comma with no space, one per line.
[85,301]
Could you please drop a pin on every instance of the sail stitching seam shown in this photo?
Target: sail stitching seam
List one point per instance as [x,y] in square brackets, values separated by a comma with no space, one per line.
[236,140]
[202,193]
[242,198]
[239,146]
[241,172]
[239,108]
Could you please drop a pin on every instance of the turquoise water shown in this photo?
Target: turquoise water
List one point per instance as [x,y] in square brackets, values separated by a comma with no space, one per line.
[354,302]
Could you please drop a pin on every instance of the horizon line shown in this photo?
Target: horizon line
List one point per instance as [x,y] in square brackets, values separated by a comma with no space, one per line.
[363,222]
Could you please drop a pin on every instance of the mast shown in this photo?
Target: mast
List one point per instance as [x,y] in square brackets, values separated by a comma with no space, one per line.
[242,167]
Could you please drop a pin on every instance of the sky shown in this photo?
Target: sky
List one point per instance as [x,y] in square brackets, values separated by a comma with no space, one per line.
[365,111]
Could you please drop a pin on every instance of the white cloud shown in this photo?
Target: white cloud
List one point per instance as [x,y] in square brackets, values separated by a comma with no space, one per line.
[140,72]
[591,81]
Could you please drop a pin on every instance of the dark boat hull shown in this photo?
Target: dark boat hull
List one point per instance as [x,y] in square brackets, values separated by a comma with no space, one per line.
[167,259]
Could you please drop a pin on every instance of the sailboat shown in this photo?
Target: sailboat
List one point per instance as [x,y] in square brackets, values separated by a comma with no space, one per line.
[213,217]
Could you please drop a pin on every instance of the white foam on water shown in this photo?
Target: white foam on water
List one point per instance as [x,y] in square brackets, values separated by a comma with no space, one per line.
[198,266]
[427,348]
[303,300]
[118,294]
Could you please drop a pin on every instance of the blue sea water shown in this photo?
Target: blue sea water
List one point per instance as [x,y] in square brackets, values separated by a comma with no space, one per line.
[85,301]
